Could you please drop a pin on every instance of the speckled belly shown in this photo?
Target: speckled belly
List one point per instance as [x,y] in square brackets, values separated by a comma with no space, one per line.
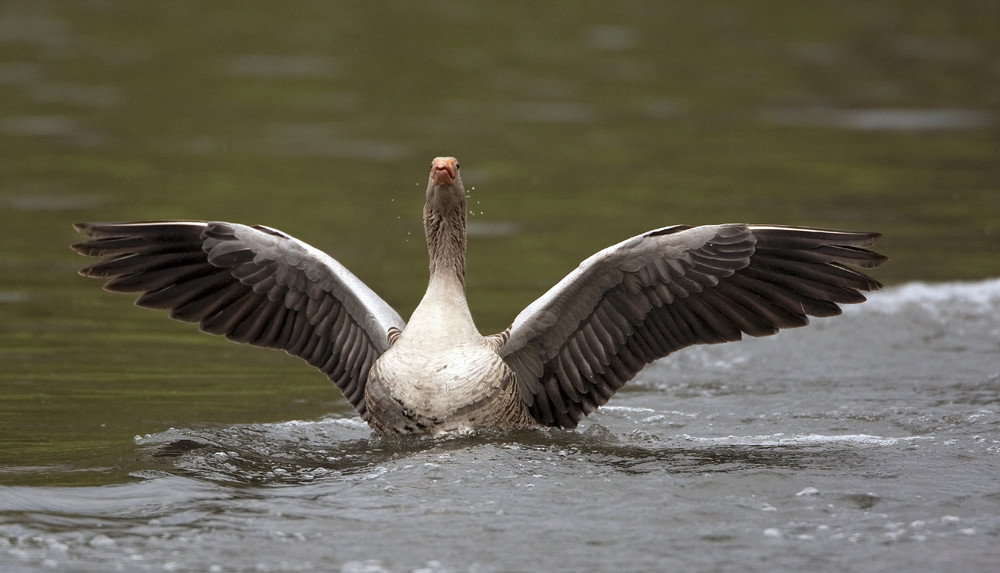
[452,391]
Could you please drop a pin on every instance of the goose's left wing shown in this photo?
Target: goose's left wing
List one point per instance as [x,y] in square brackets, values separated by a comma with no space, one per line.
[655,293]
[254,285]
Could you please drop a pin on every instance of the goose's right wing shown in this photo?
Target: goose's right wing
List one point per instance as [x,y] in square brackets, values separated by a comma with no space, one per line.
[655,293]
[251,284]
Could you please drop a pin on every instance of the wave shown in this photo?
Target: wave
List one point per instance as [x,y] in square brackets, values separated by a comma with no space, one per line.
[972,297]
[781,439]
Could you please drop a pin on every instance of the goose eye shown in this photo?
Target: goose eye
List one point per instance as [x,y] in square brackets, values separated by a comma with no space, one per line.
[457,166]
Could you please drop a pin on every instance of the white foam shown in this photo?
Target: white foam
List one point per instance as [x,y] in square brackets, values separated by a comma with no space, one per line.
[973,296]
[781,439]
[627,409]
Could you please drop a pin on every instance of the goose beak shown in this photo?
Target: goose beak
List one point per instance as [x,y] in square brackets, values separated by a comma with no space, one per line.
[444,170]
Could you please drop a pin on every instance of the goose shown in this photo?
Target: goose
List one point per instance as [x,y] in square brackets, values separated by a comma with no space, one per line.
[564,356]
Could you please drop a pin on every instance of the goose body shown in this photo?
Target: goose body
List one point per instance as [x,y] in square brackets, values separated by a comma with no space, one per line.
[564,355]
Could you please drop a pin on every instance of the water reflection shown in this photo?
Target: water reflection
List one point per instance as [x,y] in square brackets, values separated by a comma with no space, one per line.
[276,67]
[325,141]
[885,119]
[55,126]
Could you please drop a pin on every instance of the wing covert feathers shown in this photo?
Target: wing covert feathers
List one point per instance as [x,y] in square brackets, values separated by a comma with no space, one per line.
[650,295]
[253,285]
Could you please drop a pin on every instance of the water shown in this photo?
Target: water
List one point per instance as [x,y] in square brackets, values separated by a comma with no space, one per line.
[866,442]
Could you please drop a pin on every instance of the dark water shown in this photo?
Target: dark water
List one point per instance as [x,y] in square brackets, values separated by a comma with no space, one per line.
[867,442]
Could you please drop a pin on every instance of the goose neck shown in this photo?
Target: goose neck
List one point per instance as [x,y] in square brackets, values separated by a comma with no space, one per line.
[445,229]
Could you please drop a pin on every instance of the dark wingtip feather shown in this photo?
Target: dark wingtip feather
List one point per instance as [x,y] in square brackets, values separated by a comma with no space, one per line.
[82,247]
[873,260]
[82,227]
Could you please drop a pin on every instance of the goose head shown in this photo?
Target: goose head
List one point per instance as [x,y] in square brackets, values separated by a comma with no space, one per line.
[444,184]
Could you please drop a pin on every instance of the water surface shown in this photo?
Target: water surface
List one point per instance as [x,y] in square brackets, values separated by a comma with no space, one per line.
[870,438]
[866,442]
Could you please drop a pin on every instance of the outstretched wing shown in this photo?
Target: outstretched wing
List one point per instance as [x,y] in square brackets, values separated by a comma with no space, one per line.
[650,295]
[251,284]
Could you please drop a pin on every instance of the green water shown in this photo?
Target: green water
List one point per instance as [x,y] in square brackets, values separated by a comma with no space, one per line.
[577,125]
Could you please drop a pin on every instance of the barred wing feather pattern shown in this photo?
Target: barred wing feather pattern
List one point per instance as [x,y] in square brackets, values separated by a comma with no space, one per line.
[670,288]
[254,285]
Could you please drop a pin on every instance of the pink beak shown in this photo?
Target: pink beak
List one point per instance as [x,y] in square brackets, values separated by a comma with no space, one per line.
[443,171]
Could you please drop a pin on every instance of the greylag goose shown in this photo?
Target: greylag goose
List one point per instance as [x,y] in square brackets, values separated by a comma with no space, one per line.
[564,356]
